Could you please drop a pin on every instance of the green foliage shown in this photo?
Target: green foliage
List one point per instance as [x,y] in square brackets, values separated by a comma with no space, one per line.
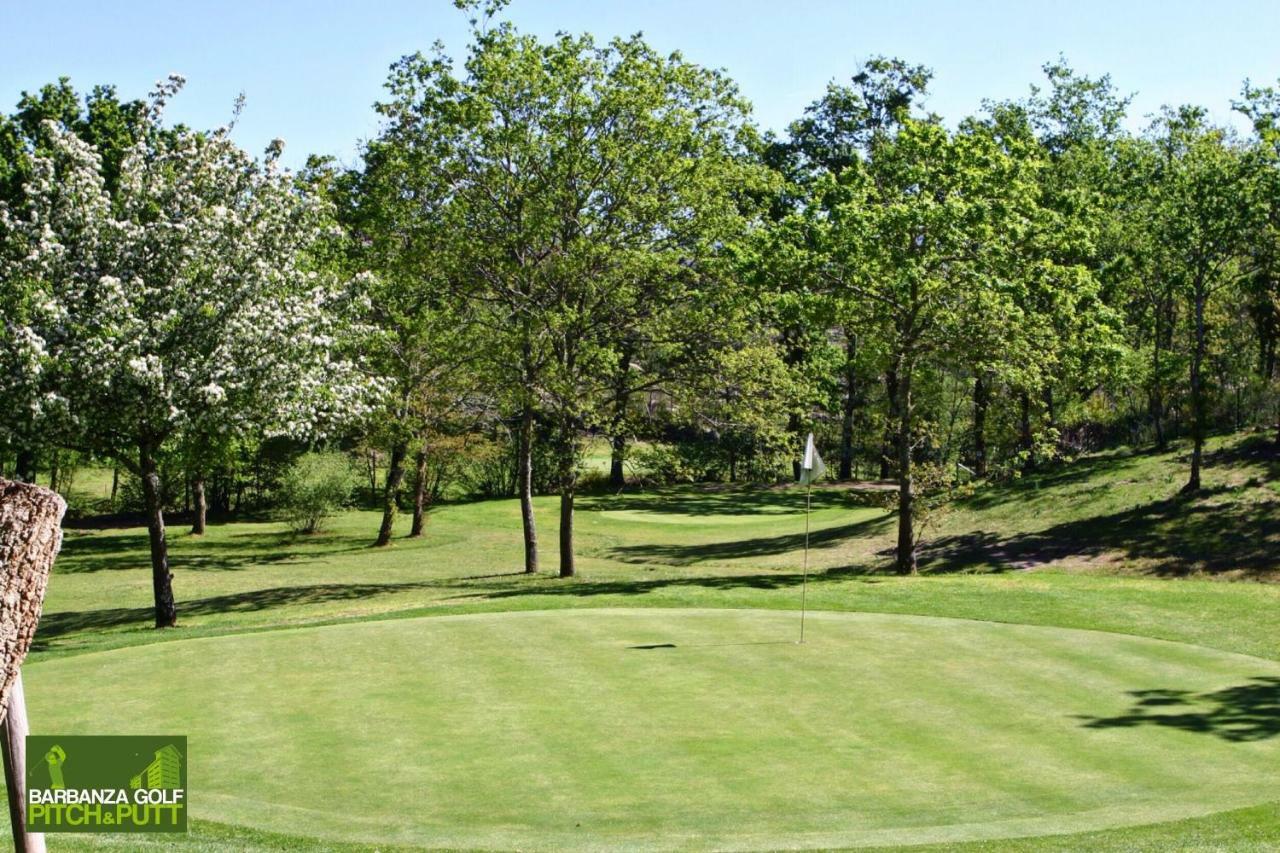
[313,488]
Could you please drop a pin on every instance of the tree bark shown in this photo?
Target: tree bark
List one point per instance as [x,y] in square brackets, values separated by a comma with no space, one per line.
[850,404]
[524,476]
[888,451]
[1157,394]
[981,400]
[26,466]
[618,455]
[201,506]
[568,476]
[390,504]
[1026,442]
[906,562]
[115,485]
[420,496]
[30,536]
[1197,393]
[161,577]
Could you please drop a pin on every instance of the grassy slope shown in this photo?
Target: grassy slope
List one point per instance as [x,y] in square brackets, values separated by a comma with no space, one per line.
[1077,548]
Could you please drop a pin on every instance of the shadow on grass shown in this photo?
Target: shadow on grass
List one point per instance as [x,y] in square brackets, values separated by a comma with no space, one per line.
[55,625]
[1176,536]
[97,553]
[675,554]
[1244,713]
[695,501]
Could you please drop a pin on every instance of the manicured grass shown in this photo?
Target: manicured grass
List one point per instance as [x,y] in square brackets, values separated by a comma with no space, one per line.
[1090,546]
[644,728]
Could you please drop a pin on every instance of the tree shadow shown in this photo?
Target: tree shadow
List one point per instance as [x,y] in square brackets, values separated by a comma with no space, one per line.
[58,624]
[1175,537]
[121,551]
[719,499]
[675,554]
[1244,713]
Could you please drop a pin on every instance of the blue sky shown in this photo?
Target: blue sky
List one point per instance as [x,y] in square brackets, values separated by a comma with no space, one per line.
[311,69]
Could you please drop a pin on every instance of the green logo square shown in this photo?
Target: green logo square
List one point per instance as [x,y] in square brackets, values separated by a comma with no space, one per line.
[107,783]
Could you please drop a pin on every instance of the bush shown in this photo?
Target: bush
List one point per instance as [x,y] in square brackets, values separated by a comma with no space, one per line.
[315,487]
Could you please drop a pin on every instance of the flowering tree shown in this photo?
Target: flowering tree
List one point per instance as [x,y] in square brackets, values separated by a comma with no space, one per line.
[188,305]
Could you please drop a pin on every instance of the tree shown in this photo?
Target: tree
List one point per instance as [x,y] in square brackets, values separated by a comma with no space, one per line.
[591,190]
[916,234]
[1205,205]
[100,118]
[185,305]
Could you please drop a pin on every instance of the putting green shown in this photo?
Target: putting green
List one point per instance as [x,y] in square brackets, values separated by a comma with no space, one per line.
[703,728]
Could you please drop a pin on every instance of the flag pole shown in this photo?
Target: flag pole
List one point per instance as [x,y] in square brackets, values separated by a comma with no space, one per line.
[804,582]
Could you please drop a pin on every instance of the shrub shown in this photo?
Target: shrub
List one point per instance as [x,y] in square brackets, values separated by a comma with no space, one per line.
[315,487]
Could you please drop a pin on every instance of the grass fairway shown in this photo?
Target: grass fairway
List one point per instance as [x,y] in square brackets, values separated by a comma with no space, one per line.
[1086,663]
[678,727]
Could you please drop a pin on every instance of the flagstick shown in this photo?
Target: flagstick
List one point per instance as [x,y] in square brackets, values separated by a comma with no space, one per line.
[804,583]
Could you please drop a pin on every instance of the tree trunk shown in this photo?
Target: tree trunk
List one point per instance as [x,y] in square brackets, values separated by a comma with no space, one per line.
[30,536]
[888,451]
[26,466]
[981,400]
[568,484]
[1026,443]
[161,577]
[1197,394]
[618,455]
[201,506]
[13,746]
[618,442]
[1157,395]
[420,496]
[795,426]
[850,405]
[906,563]
[524,468]
[390,504]
[115,485]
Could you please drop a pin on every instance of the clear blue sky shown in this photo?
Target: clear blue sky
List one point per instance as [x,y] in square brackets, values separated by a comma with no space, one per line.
[311,69]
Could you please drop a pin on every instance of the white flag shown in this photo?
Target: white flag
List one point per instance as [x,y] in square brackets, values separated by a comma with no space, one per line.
[811,468]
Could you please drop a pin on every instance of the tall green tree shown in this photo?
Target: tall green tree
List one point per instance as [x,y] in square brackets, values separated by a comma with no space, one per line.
[592,189]
[916,235]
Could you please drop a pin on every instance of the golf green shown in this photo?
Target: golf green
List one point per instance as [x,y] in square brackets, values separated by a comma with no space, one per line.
[664,727]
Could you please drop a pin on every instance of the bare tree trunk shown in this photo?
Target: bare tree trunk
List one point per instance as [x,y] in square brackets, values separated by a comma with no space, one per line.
[26,465]
[1157,394]
[13,747]
[1197,393]
[201,506]
[568,476]
[420,496]
[390,493]
[115,485]
[1026,442]
[617,458]
[850,404]
[618,441]
[906,562]
[524,468]
[888,451]
[161,577]
[981,400]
